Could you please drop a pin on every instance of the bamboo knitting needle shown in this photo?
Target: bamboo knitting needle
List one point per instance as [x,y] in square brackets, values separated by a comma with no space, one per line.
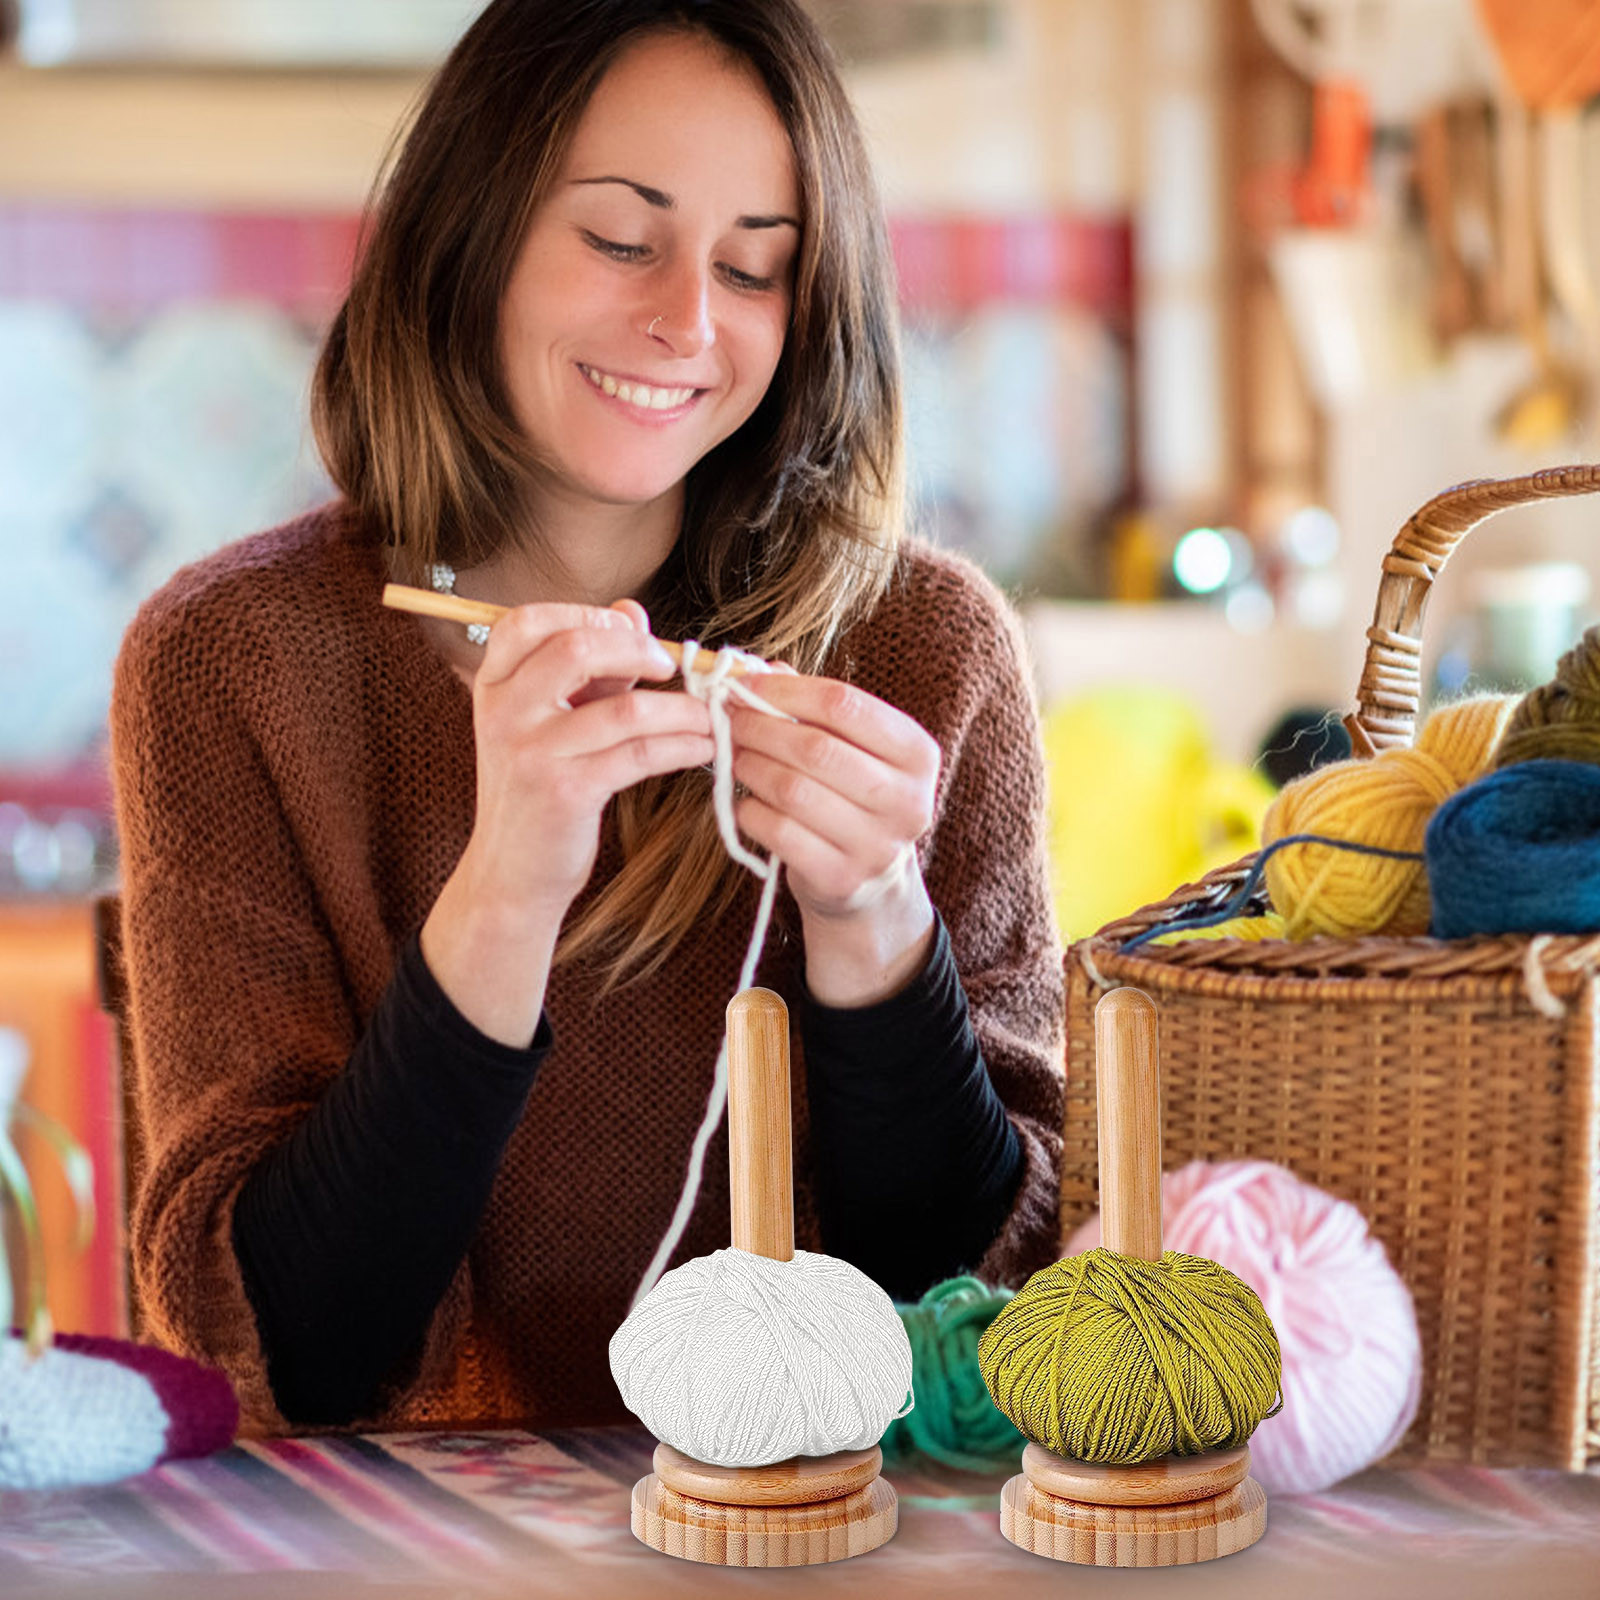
[1175,1509]
[454,608]
[809,1509]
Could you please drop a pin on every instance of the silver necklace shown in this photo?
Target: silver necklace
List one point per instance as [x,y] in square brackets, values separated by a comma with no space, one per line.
[443,577]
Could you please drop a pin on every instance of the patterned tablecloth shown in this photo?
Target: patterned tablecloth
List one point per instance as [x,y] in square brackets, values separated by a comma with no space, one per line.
[420,1516]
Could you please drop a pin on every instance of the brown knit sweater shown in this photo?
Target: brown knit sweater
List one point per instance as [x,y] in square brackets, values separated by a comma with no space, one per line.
[295,780]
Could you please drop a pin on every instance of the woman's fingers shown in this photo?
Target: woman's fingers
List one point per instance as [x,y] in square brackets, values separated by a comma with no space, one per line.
[599,688]
[557,686]
[837,854]
[620,766]
[812,804]
[580,664]
[815,756]
[843,879]
[841,794]
[522,629]
[580,645]
[635,714]
[559,669]
[634,612]
[898,790]
[849,713]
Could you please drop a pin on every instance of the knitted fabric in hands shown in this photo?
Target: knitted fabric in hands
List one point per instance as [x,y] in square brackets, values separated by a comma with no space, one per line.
[295,782]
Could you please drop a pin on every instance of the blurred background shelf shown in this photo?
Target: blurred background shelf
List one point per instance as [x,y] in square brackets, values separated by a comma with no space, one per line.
[1239,681]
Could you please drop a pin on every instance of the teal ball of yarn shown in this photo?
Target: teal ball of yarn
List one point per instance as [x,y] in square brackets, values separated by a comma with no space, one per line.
[1518,852]
[955,1421]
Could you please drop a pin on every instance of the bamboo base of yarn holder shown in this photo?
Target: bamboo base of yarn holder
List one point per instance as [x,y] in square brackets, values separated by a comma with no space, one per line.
[1162,1513]
[810,1509]
[1174,1509]
[795,1513]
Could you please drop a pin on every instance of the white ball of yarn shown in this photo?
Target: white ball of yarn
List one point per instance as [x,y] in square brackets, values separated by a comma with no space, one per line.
[740,1361]
[1352,1361]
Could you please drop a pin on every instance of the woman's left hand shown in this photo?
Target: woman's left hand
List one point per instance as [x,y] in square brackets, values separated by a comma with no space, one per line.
[841,795]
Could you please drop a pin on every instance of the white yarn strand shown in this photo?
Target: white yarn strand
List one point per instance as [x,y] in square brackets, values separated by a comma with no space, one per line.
[732,1358]
[715,687]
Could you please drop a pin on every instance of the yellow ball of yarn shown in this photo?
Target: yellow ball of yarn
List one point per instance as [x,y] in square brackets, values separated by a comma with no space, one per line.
[1111,1359]
[1386,801]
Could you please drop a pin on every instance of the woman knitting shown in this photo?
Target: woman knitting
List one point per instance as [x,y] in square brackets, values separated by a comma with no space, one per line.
[429,938]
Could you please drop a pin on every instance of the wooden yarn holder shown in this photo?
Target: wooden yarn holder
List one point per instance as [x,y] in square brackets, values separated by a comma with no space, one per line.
[809,1509]
[1175,1509]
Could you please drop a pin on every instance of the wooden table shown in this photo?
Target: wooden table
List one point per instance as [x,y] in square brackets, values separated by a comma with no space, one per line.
[418,1516]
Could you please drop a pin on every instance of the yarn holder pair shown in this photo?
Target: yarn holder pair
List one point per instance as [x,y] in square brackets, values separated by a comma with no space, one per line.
[810,1509]
[1175,1509]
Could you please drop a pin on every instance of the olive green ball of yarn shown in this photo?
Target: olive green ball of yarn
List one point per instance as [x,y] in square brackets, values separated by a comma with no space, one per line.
[1110,1359]
[1560,720]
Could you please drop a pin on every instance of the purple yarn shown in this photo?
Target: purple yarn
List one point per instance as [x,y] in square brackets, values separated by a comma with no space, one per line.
[1518,852]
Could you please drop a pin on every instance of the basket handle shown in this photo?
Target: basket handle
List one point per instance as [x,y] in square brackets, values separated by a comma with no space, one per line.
[1390,691]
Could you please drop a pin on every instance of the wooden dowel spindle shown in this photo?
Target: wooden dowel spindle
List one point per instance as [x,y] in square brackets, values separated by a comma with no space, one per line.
[1128,1090]
[1175,1509]
[760,1162]
[809,1509]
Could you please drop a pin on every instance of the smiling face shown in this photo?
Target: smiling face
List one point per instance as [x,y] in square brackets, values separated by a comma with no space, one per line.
[647,309]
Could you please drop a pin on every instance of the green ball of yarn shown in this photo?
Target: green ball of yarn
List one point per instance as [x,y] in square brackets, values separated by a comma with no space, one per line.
[1560,720]
[954,1421]
[1110,1359]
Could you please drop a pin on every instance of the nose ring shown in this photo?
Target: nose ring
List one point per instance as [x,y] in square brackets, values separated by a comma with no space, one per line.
[650,332]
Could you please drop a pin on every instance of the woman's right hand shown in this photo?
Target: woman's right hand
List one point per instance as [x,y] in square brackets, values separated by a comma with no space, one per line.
[560,726]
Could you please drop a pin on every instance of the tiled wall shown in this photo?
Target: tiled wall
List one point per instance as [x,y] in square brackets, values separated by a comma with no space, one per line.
[154,368]
[153,374]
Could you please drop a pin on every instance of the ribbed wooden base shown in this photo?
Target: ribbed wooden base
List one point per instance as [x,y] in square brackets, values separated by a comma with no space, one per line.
[1159,1514]
[795,1514]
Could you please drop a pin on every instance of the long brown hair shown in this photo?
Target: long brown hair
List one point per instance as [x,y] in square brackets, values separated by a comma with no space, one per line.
[790,526]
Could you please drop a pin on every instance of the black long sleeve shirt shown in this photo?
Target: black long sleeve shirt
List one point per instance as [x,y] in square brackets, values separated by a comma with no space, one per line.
[350,1231]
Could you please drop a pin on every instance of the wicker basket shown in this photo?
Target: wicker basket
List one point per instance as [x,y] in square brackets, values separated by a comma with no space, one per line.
[1449,1089]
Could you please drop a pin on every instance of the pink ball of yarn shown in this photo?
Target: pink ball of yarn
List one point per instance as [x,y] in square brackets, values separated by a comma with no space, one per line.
[1352,1363]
